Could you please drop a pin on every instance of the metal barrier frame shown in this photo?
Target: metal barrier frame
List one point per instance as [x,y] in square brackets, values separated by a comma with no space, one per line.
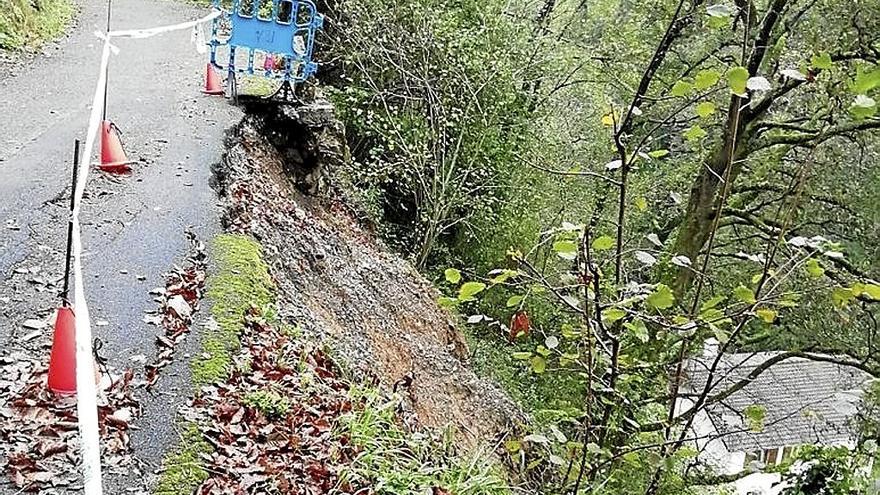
[245,27]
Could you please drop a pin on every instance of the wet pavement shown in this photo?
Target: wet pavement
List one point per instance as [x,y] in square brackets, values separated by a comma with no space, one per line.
[133,225]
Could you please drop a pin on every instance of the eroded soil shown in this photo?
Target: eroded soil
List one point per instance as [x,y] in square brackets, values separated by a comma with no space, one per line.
[341,284]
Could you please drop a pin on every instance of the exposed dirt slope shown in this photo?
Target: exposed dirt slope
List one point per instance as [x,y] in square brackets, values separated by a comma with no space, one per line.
[339,282]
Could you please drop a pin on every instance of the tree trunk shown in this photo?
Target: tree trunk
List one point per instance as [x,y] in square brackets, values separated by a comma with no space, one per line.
[696,225]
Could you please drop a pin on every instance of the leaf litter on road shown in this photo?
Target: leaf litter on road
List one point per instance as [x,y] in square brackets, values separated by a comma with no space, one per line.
[278,423]
[178,302]
[39,436]
[40,440]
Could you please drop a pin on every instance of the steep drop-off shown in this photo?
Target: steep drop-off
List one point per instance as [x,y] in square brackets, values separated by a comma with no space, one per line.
[339,283]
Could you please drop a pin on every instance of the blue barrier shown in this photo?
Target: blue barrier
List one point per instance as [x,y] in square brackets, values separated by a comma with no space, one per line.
[281,32]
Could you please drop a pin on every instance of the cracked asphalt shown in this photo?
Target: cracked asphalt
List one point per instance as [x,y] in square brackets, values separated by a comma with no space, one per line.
[133,226]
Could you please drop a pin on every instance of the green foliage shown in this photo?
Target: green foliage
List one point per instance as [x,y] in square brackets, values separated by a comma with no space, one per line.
[705,109]
[547,397]
[822,61]
[661,298]
[468,290]
[695,133]
[755,415]
[431,101]
[30,22]
[681,89]
[557,151]
[767,315]
[269,402]
[737,78]
[827,471]
[393,461]
[706,79]
[745,294]
[867,79]
[603,243]
[814,268]
[863,107]
[452,275]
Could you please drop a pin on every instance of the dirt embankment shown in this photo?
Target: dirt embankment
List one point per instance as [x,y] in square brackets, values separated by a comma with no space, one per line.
[341,284]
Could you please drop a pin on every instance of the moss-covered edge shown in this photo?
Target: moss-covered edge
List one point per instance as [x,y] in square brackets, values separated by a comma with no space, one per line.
[182,468]
[240,280]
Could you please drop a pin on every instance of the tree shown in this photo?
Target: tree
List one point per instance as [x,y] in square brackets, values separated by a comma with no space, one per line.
[429,97]
[786,101]
[782,121]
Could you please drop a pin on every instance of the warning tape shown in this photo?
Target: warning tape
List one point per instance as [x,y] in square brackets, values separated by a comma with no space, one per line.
[146,33]
[87,406]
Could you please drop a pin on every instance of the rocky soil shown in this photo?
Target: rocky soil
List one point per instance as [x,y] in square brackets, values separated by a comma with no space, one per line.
[342,285]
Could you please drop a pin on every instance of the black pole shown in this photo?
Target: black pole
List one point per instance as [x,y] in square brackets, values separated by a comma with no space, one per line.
[64,300]
[107,72]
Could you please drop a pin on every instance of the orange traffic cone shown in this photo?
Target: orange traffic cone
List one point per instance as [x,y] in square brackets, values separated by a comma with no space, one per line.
[212,82]
[62,360]
[113,158]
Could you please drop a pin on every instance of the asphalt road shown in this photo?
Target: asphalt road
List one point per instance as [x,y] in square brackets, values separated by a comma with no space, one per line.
[133,225]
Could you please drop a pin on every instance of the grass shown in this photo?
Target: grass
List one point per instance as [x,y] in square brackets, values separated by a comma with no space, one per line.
[182,470]
[22,24]
[547,397]
[242,280]
[393,461]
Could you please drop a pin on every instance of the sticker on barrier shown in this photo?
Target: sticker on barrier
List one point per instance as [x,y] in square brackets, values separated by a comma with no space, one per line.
[272,38]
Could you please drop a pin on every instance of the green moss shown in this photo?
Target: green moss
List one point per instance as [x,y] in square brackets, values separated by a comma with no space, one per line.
[182,470]
[29,23]
[241,281]
[257,85]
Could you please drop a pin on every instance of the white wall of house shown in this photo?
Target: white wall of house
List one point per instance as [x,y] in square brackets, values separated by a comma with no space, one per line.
[713,452]
[759,484]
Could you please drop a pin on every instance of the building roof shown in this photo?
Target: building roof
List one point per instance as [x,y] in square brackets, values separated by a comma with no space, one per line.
[806,401]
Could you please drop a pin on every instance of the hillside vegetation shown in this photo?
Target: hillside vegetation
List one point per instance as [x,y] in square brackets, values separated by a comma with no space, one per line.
[30,22]
[599,187]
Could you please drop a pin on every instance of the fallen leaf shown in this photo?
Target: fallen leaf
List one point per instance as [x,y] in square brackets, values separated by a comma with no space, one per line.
[180,307]
[519,324]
